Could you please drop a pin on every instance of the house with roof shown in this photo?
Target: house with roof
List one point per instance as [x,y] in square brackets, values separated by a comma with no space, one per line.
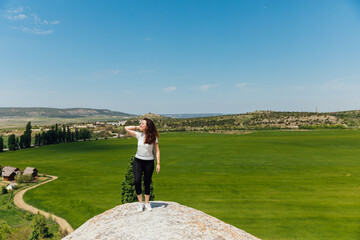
[30,171]
[9,173]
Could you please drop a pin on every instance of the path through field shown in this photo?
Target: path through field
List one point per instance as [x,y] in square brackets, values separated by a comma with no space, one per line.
[18,200]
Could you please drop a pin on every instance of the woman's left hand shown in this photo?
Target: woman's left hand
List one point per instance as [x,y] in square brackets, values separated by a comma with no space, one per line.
[157,168]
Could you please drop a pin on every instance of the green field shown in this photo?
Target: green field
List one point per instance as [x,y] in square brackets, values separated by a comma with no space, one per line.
[17,218]
[274,185]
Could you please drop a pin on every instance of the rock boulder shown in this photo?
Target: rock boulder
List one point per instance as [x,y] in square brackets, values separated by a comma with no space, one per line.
[167,220]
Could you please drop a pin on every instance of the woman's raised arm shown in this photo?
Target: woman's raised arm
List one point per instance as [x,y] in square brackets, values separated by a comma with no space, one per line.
[131,130]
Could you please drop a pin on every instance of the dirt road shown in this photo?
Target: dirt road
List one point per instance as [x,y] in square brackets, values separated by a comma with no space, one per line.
[18,200]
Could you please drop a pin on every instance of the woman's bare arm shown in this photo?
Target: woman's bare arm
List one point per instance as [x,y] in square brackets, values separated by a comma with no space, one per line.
[157,151]
[131,130]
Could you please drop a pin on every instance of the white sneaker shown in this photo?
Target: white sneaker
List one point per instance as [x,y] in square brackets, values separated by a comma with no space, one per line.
[148,207]
[140,207]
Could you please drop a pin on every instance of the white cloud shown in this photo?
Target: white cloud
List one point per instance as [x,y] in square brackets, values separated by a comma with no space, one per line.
[17,10]
[15,17]
[115,72]
[241,85]
[55,22]
[207,87]
[41,32]
[23,19]
[169,89]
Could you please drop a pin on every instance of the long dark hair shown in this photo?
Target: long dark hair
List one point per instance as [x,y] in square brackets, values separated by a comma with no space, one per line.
[151,132]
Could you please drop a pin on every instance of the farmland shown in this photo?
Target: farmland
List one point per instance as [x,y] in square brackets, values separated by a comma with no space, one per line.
[274,184]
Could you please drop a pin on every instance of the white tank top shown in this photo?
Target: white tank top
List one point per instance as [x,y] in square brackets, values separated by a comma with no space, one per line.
[144,151]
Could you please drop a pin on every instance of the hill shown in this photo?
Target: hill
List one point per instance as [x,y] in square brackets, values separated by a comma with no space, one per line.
[18,117]
[191,115]
[58,112]
[262,120]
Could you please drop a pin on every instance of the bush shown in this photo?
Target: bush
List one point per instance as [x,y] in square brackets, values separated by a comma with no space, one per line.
[4,190]
[28,216]
[20,233]
[34,235]
[128,194]
[322,126]
[4,230]
[27,178]
[39,225]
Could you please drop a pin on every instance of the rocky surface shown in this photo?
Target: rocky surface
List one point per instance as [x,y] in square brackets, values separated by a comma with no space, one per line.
[167,220]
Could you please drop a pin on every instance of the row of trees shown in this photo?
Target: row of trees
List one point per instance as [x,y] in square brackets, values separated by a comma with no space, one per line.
[15,143]
[57,135]
[53,136]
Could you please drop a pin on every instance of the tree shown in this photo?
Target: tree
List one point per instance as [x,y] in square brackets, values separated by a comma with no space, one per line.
[77,134]
[84,134]
[1,144]
[42,138]
[63,134]
[68,135]
[27,135]
[40,226]
[37,139]
[22,141]
[128,194]
[5,229]
[12,142]
[17,144]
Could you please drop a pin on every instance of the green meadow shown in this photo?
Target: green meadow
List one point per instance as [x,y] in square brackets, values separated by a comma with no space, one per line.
[272,184]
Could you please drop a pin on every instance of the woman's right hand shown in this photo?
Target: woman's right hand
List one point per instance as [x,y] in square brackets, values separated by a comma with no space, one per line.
[157,168]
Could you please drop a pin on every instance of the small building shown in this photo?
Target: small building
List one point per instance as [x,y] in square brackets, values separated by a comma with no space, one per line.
[30,171]
[11,186]
[9,173]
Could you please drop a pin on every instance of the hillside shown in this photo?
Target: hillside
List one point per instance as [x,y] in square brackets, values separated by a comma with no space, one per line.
[191,115]
[58,112]
[261,120]
[18,117]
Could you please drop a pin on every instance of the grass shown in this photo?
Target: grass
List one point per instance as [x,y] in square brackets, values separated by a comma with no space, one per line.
[16,217]
[272,184]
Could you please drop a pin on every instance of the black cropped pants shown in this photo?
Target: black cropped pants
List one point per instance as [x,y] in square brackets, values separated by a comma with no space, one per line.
[140,166]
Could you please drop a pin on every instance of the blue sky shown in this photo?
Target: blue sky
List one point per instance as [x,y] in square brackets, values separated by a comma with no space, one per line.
[181,56]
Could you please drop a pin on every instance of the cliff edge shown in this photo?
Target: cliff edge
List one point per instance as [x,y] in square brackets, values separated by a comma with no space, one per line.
[167,220]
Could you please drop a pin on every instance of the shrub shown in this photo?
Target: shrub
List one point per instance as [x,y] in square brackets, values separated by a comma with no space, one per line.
[128,194]
[20,233]
[34,235]
[39,225]
[4,230]
[27,178]
[4,190]
[28,216]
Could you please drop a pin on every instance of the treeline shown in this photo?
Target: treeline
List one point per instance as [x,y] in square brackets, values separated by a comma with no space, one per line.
[61,135]
[15,143]
[55,135]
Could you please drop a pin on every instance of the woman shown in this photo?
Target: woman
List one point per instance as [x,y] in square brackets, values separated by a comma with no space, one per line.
[144,158]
